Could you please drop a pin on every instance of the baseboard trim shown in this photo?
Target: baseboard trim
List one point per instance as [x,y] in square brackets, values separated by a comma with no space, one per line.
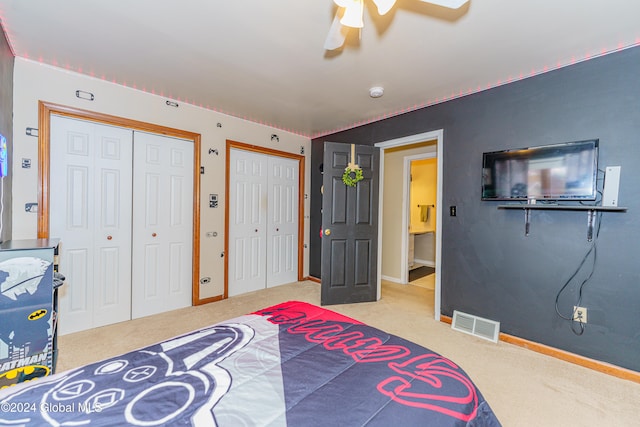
[425,262]
[391,279]
[596,365]
[313,279]
[209,300]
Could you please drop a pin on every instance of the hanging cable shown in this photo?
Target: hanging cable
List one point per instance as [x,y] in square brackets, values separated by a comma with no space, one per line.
[592,250]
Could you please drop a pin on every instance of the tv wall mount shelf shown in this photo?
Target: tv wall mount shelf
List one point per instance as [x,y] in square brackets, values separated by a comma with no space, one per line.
[591,211]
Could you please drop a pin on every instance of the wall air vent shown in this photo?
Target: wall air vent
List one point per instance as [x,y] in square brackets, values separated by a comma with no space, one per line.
[477,326]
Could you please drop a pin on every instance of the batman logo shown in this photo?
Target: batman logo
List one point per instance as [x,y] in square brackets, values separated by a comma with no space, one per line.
[37,314]
[22,374]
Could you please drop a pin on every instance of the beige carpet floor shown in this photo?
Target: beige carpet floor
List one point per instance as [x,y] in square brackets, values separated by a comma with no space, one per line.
[524,388]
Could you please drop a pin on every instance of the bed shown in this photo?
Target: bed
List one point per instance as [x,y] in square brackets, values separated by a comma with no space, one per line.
[292,364]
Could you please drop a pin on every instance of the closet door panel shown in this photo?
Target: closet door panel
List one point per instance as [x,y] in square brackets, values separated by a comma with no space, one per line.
[282,230]
[263,221]
[112,225]
[247,222]
[163,225]
[90,211]
[78,267]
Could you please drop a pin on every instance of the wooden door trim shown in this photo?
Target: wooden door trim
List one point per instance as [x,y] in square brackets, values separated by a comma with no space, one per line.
[45,109]
[271,152]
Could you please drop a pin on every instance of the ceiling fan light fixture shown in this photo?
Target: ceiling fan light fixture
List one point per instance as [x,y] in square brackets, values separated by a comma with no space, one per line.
[384,6]
[350,14]
[353,12]
[451,4]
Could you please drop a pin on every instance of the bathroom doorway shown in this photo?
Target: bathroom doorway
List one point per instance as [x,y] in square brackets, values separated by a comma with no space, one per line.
[420,214]
[394,189]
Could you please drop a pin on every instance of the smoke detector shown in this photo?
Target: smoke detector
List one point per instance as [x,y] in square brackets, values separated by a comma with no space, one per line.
[376,92]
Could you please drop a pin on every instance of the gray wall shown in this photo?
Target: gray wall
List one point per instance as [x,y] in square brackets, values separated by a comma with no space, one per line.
[489,268]
[6,128]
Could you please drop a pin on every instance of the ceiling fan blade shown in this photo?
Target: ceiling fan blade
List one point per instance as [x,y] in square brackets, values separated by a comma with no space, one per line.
[384,6]
[353,14]
[451,4]
[337,34]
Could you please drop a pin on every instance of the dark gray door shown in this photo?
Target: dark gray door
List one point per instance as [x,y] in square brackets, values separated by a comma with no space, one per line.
[349,226]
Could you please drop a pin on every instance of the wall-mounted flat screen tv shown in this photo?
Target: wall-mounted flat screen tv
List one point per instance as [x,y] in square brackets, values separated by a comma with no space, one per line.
[565,171]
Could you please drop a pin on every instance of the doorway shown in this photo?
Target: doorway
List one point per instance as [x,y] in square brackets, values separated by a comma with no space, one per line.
[438,138]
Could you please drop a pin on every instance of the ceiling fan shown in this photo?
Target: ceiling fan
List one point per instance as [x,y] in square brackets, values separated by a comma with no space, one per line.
[350,13]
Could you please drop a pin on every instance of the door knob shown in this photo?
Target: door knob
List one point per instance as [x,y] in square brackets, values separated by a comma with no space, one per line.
[153,234]
[109,237]
[327,232]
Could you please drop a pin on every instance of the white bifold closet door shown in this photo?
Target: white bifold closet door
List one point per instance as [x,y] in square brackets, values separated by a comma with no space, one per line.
[121,203]
[263,221]
[90,211]
[162,218]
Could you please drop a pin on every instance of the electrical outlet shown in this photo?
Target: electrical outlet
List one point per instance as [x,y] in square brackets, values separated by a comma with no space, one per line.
[579,314]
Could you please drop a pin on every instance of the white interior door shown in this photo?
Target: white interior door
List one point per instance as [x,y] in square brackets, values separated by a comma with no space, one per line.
[90,211]
[247,222]
[282,222]
[163,224]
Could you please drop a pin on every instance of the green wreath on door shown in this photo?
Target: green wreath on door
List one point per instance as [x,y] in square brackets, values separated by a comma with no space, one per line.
[352,173]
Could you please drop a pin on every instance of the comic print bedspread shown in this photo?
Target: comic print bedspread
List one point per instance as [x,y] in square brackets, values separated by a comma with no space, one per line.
[293,364]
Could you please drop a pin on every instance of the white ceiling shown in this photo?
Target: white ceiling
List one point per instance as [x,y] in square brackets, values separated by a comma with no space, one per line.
[263,60]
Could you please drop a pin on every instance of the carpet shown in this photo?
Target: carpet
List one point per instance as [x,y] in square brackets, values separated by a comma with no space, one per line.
[420,272]
[508,375]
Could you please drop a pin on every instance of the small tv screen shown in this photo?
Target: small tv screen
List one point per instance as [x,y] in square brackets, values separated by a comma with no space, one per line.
[566,171]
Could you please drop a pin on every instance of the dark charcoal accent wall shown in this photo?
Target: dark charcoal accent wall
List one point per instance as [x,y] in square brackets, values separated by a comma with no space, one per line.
[6,127]
[489,268]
